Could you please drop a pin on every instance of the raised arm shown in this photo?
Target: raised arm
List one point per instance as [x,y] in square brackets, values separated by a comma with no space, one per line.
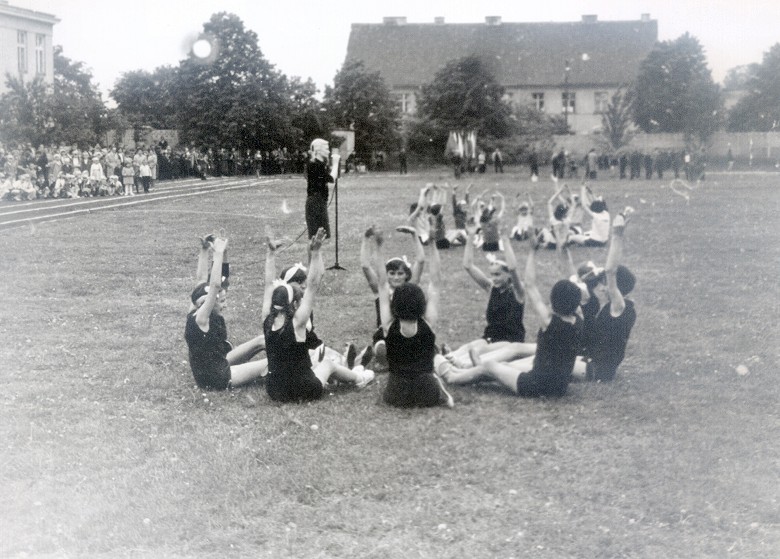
[439,195]
[454,195]
[202,272]
[532,289]
[385,315]
[270,273]
[551,203]
[313,281]
[468,256]
[511,262]
[215,284]
[614,256]
[562,249]
[422,202]
[366,251]
[434,288]
[586,197]
[419,260]
[501,204]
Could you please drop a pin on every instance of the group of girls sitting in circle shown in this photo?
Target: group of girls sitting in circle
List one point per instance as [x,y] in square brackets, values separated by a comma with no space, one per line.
[297,365]
[585,323]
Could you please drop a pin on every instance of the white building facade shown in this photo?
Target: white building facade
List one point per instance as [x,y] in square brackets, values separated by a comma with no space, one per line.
[26,46]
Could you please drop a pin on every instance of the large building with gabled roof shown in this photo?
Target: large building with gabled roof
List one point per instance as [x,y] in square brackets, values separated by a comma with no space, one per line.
[567,68]
[26,49]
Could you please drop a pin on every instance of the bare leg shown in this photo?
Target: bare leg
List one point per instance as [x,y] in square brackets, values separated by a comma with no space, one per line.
[508,352]
[460,357]
[246,351]
[504,373]
[326,368]
[247,372]
[323,352]
[507,373]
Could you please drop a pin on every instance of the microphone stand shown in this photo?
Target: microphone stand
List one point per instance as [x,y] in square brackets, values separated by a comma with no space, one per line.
[335,172]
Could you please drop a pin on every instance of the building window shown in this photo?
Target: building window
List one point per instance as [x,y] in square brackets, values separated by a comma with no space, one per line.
[405,102]
[40,54]
[21,51]
[537,100]
[600,102]
[569,102]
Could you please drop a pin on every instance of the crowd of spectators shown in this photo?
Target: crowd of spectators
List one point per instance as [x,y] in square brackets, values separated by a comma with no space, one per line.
[27,173]
[632,164]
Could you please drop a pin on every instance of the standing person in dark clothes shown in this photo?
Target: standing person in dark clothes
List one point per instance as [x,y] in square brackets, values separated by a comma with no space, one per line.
[533,163]
[677,158]
[559,165]
[317,178]
[648,163]
[636,164]
[42,161]
[498,161]
[623,164]
[402,168]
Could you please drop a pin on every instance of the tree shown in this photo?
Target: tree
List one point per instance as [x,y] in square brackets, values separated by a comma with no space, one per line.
[361,101]
[464,95]
[76,105]
[738,77]
[24,112]
[147,98]
[616,123]
[71,111]
[309,119]
[235,97]
[674,91]
[760,109]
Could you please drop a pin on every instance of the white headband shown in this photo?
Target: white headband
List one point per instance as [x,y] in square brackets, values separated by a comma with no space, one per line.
[293,270]
[493,260]
[401,259]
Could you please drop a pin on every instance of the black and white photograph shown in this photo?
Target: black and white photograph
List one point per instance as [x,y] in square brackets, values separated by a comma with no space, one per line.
[393,280]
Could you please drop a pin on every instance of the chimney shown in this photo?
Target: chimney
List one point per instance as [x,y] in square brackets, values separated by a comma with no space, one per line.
[438,20]
[394,20]
[645,18]
[493,20]
[590,18]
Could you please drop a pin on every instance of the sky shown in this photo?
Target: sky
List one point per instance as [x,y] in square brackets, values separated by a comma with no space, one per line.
[309,39]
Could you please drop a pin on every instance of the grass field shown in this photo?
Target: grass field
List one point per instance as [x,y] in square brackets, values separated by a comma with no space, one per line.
[109,450]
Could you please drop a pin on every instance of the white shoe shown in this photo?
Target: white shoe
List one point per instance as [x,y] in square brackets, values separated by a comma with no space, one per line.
[445,398]
[380,353]
[367,376]
[443,369]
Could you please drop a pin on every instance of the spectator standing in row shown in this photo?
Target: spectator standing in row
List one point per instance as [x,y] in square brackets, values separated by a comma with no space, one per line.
[533,163]
[402,168]
[498,161]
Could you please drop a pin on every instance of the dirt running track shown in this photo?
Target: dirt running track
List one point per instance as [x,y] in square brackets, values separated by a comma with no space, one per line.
[21,214]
